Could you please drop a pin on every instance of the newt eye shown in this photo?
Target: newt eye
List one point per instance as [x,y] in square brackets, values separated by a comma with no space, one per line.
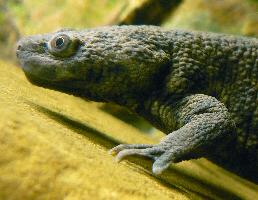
[59,42]
[62,45]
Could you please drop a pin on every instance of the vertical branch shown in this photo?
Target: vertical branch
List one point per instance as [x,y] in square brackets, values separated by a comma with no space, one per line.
[152,12]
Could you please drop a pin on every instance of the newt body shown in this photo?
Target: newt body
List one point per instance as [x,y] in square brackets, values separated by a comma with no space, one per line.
[201,89]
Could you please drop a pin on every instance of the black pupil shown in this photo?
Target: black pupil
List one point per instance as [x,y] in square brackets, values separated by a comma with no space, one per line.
[59,42]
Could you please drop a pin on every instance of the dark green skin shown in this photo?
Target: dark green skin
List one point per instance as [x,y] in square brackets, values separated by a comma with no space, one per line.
[199,88]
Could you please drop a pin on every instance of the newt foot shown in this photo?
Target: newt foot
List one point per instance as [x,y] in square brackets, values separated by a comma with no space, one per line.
[159,153]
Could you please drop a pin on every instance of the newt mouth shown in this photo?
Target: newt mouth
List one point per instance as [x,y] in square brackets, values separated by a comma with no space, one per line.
[72,87]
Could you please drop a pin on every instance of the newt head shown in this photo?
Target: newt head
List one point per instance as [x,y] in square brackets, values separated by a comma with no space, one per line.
[100,64]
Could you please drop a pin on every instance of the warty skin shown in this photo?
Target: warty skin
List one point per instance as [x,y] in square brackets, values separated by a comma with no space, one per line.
[198,88]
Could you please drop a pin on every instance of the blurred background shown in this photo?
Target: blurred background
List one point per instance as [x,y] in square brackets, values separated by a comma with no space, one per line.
[19,18]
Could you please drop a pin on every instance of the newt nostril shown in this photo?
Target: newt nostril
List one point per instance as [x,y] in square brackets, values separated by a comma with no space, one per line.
[20,45]
[18,50]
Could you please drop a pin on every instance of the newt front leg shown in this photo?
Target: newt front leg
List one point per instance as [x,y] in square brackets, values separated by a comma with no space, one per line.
[205,127]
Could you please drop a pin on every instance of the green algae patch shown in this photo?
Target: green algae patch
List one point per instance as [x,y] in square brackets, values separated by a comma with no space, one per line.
[54,146]
[47,15]
[9,33]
